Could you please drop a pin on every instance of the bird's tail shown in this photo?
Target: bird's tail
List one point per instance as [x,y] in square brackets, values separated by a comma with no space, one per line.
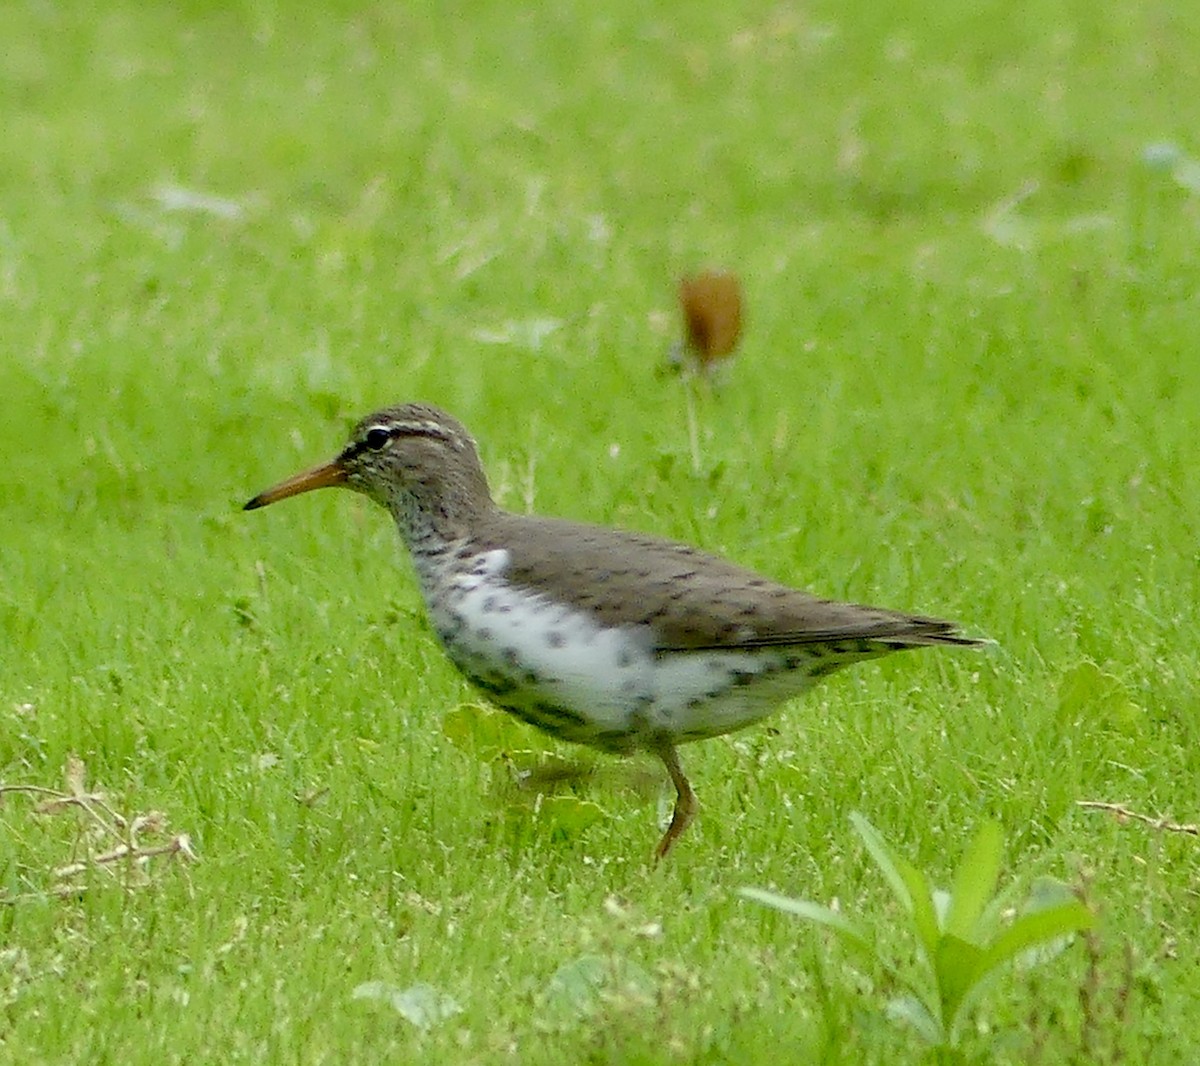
[921,632]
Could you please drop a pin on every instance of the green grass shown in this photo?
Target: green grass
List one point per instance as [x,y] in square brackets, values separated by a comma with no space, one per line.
[969,386]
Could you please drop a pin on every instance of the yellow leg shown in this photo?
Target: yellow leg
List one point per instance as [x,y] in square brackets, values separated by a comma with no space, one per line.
[685,802]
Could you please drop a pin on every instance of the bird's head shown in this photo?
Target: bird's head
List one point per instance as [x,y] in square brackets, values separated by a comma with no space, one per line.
[410,458]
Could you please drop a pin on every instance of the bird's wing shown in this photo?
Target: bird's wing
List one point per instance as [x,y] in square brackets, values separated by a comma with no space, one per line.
[689,599]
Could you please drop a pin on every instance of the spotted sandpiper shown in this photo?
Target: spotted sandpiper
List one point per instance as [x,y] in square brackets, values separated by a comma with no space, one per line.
[618,640]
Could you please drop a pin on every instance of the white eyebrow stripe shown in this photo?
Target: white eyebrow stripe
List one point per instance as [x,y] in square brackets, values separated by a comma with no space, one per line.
[420,429]
[423,428]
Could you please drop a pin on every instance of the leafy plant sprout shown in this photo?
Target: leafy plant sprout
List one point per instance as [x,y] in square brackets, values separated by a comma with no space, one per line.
[959,933]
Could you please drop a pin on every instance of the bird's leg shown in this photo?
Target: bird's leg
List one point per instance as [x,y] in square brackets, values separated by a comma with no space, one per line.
[685,802]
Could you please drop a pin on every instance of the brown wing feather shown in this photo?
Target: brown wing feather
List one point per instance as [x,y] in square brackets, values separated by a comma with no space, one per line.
[688,598]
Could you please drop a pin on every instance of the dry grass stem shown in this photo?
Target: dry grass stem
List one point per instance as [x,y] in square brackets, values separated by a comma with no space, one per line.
[1124,814]
[115,841]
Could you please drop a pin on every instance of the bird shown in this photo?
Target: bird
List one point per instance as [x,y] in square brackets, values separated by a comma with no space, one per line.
[711,305]
[618,640]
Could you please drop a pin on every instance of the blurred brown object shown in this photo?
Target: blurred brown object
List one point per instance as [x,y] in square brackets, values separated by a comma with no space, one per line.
[712,319]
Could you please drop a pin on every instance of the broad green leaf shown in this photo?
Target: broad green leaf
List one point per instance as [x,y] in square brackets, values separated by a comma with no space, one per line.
[958,967]
[578,987]
[569,814]
[924,913]
[421,1004]
[911,1011]
[1046,892]
[1035,928]
[907,883]
[883,857]
[813,912]
[1087,693]
[483,732]
[975,881]
[575,986]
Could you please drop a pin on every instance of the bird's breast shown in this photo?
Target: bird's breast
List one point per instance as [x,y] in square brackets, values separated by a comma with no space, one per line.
[558,667]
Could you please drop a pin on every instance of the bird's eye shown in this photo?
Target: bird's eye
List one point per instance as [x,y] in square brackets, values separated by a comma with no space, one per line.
[377,437]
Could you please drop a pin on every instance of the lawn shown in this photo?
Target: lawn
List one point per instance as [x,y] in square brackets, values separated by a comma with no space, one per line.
[968,386]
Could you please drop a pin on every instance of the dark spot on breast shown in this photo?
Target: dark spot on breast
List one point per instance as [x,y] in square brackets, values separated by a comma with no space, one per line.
[493,684]
[555,638]
[511,656]
[483,633]
[489,605]
[528,716]
[554,710]
[624,658]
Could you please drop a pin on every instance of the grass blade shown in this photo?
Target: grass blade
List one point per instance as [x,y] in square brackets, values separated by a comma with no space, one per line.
[975,881]
[1034,928]
[884,859]
[924,911]
[813,912]
[907,883]
[958,968]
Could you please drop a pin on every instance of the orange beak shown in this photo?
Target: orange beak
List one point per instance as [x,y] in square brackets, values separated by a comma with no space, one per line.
[319,477]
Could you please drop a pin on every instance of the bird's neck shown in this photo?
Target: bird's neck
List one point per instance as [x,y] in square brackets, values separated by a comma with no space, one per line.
[441,515]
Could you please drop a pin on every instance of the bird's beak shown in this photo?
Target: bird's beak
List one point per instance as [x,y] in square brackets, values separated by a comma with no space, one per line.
[319,477]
